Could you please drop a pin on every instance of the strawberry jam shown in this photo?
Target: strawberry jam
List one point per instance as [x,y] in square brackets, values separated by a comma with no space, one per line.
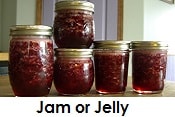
[30,62]
[73,71]
[111,70]
[148,66]
[111,66]
[74,24]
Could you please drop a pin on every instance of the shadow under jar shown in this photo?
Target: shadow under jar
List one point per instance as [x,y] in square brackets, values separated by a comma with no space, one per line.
[74,24]
[73,71]
[149,60]
[111,66]
[31,60]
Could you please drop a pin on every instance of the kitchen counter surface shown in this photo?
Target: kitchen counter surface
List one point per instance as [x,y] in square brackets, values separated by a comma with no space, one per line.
[169,90]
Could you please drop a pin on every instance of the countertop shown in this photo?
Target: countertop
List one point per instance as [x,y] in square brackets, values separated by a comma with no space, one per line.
[169,90]
[4,56]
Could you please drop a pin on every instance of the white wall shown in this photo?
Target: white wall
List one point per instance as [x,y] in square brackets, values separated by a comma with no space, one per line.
[14,12]
[133,20]
[26,12]
[8,17]
[159,20]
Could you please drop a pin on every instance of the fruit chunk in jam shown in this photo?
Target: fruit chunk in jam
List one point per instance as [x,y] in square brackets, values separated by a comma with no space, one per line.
[31,66]
[111,70]
[73,75]
[149,69]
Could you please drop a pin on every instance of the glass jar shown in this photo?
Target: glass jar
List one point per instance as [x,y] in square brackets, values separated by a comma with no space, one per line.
[149,60]
[111,66]
[74,24]
[73,71]
[31,60]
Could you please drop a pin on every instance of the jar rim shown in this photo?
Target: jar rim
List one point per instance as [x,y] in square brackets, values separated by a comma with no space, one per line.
[148,45]
[65,52]
[112,44]
[71,4]
[30,30]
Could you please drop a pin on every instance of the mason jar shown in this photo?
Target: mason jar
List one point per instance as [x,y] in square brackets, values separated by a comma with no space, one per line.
[73,71]
[31,60]
[149,60]
[111,66]
[74,24]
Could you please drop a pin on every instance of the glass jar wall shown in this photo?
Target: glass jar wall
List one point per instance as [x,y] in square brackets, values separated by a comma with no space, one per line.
[111,66]
[149,60]
[73,71]
[31,60]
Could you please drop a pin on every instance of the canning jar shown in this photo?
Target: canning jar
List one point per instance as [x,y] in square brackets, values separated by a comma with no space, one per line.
[73,71]
[111,66]
[74,24]
[31,60]
[149,60]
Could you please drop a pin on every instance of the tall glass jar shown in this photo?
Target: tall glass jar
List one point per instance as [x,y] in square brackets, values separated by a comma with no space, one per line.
[74,24]
[111,66]
[149,60]
[31,60]
[73,71]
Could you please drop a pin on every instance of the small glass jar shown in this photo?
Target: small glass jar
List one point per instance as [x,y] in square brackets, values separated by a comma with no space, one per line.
[74,24]
[31,60]
[149,60]
[73,71]
[111,66]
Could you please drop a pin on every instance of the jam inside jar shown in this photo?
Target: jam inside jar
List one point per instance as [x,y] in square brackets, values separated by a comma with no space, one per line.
[149,60]
[31,60]
[73,71]
[111,66]
[74,24]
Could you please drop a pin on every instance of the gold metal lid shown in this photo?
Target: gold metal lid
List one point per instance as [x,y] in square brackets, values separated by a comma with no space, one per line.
[148,45]
[61,52]
[112,44]
[31,30]
[74,4]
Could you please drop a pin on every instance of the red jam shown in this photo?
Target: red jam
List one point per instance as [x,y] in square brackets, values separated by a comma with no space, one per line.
[149,69]
[73,28]
[31,65]
[111,70]
[73,75]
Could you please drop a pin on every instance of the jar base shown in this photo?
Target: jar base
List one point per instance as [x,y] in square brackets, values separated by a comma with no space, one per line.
[31,95]
[147,92]
[76,95]
[106,92]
